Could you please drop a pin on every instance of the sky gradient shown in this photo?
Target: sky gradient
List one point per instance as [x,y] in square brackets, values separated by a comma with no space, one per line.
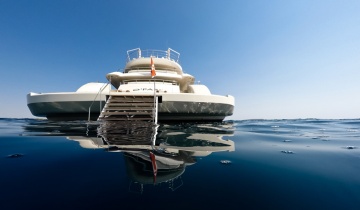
[280,59]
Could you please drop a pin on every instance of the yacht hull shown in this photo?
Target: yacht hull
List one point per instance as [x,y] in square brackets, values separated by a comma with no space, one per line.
[66,106]
[173,107]
[66,110]
[193,107]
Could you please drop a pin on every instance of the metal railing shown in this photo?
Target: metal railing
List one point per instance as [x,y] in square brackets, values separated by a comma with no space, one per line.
[138,53]
[98,93]
[146,69]
[173,82]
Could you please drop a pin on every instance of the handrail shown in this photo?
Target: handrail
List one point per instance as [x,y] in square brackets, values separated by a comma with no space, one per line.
[134,51]
[147,69]
[138,53]
[155,111]
[100,91]
[149,81]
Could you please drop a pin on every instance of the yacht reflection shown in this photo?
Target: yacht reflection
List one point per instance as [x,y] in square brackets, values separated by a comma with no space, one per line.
[153,154]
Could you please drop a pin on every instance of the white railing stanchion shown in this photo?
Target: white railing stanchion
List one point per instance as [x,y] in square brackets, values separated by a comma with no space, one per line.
[156,110]
[100,103]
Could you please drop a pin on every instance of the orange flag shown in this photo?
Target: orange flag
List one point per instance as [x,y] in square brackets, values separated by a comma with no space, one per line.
[153,72]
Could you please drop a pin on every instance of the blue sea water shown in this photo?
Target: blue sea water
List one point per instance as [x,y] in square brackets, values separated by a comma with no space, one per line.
[250,164]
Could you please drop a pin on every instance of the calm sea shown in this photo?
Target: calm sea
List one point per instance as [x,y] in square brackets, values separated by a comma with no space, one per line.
[252,164]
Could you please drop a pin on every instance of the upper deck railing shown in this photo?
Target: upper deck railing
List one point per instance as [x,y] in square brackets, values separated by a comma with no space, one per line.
[138,53]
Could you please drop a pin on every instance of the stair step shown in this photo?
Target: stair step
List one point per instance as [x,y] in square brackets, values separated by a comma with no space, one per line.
[131,119]
[129,109]
[130,104]
[126,113]
[133,99]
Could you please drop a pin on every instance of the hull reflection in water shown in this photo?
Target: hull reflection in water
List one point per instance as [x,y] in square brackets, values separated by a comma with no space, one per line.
[154,154]
[127,133]
[173,148]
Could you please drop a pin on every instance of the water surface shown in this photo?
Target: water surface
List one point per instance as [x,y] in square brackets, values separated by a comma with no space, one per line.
[253,164]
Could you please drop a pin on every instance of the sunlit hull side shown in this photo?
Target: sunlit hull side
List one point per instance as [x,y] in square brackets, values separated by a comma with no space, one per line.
[65,106]
[190,107]
[173,107]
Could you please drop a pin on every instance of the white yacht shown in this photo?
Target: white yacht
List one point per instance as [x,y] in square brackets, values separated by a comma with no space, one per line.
[179,98]
[149,75]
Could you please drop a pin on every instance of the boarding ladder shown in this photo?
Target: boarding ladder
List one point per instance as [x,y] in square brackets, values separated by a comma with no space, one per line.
[130,107]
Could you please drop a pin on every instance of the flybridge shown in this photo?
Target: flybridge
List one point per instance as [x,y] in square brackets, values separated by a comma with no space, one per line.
[138,53]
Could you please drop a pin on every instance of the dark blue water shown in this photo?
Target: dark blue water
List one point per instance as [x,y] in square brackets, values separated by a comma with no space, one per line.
[253,164]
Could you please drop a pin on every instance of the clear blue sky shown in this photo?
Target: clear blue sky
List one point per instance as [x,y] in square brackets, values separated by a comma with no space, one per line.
[279,58]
